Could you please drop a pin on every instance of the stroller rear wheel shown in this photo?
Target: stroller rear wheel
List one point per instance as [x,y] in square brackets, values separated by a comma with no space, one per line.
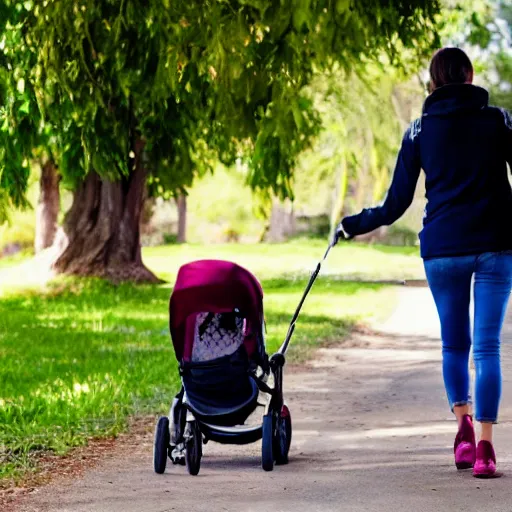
[194,447]
[283,436]
[267,441]
[161,445]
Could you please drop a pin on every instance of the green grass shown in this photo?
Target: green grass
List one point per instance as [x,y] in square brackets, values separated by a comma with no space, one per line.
[299,257]
[81,356]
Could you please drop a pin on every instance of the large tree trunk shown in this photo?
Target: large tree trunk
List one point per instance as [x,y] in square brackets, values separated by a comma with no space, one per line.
[48,207]
[101,235]
[181,201]
[282,222]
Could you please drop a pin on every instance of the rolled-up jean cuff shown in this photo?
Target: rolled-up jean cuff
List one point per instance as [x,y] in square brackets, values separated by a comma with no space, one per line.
[493,421]
[461,404]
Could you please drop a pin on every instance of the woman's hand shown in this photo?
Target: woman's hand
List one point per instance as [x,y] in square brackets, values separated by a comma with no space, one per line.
[340,234]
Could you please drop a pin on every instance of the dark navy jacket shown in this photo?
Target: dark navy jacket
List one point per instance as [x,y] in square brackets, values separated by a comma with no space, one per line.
[462,144]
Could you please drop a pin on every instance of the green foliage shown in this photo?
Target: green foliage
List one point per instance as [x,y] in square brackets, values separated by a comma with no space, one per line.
[20,232]
[22,131]
[350,163]
[221,207]
[486,25]
[78,359]
[501,92]
[195,80]
[465,21]
[169,239]
[502,88]
[19,228]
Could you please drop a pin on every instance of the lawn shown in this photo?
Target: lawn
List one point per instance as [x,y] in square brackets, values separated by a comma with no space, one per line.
[347,261]
[79,356]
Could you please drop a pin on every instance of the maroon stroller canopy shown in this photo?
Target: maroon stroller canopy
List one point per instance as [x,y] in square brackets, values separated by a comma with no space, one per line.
[213,286]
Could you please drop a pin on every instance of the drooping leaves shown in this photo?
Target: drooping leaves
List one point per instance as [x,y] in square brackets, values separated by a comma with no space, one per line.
[197,80]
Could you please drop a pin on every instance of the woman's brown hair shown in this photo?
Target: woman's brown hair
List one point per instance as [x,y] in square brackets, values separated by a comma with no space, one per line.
[450,66]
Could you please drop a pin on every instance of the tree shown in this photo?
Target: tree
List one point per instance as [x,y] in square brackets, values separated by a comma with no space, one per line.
[181,202]
[16,132]
[23,134]
[350,164]
[484,28]
[500,27]
[157,91]
[48,207]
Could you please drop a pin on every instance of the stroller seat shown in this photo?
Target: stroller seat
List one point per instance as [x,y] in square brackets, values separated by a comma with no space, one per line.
[221,391]
[217,335]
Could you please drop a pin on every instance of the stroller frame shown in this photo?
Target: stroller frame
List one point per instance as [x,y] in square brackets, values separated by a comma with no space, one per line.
[181,435]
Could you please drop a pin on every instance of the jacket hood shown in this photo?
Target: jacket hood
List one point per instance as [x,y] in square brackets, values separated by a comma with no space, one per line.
[455,98]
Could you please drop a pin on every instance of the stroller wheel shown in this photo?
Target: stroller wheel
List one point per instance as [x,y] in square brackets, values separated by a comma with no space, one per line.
[267,457]
[161,445]
[194,447]
[283,436]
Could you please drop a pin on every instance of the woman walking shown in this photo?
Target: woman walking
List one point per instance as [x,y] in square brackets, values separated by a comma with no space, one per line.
[463,146]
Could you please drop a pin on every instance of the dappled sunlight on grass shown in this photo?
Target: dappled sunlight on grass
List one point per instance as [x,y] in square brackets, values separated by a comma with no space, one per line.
[25,274]
[75,363]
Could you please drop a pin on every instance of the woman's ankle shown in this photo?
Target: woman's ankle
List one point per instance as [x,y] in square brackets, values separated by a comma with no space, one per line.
[461,411]
[486,432]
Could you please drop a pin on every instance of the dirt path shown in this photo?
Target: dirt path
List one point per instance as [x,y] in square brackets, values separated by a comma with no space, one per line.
[370,434]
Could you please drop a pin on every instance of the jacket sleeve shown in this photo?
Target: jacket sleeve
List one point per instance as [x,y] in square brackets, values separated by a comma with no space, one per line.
[400,193]
[508,137]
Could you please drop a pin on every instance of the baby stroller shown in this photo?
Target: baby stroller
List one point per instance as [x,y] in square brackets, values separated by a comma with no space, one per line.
[217,329]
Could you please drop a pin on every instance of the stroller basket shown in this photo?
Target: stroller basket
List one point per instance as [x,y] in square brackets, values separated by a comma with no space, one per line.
[221,391]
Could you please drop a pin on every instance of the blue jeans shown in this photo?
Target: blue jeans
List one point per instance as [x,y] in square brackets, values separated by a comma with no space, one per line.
[450,282]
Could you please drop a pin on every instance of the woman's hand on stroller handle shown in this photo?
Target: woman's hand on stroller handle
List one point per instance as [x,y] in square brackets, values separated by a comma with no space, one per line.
[339,234]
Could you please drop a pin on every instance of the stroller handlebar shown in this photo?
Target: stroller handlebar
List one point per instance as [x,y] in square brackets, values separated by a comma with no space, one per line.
[284,347]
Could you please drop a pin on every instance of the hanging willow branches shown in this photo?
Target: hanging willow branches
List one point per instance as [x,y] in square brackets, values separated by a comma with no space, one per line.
[199,80]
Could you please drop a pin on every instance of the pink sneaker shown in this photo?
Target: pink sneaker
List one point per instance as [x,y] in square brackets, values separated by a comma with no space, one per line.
[465,444]
[485,465]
